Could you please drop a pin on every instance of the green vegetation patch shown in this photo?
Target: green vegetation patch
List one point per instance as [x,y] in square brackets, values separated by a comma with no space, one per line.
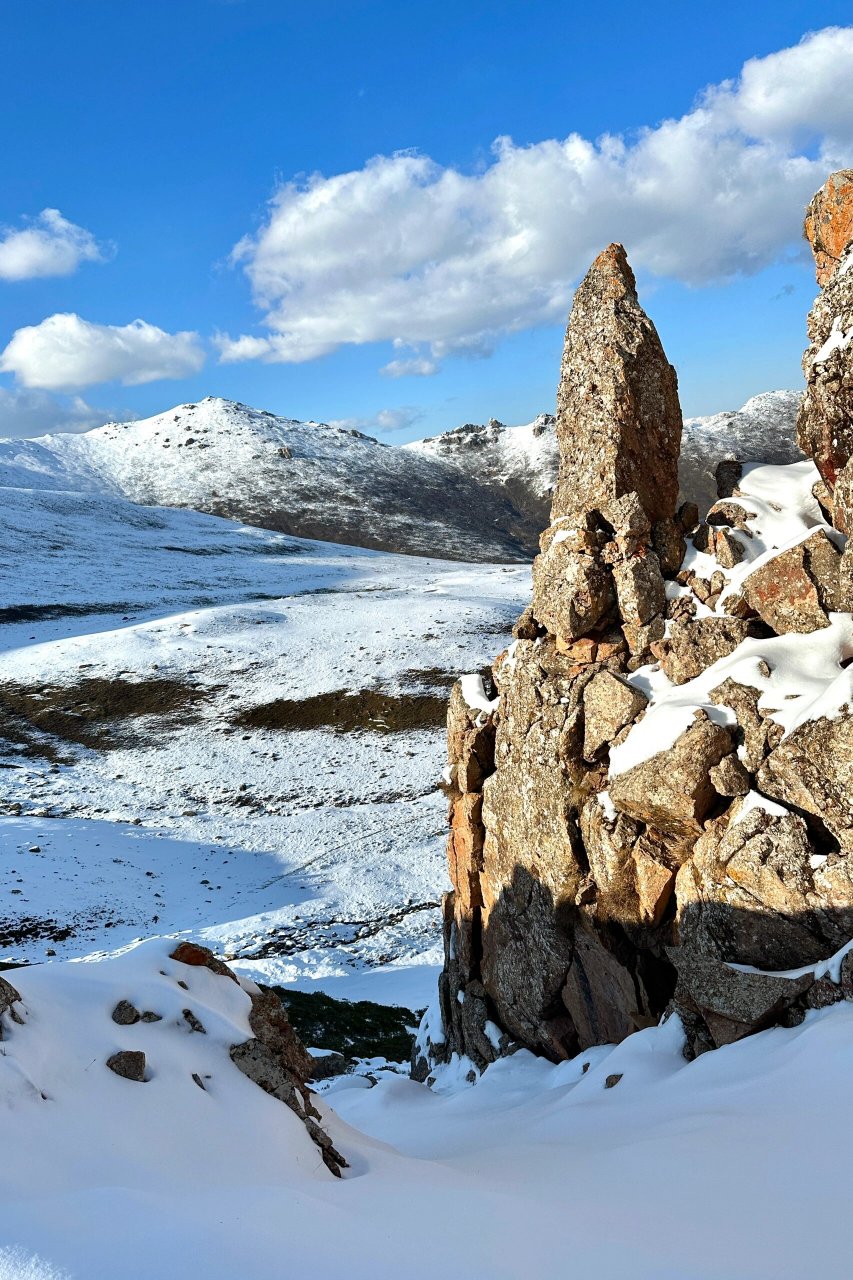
[357,1029]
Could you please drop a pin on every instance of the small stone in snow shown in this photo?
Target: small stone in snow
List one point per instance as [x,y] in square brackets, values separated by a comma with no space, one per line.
[129,1064]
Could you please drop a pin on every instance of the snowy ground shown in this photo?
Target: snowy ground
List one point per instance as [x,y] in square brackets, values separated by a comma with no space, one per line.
[313,857]
[732,1166]
[310,854]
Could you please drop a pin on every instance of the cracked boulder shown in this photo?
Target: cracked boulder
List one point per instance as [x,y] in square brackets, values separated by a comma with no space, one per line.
[794,590]
[694,644]
[572,588]
[756,733]
[672,790]
[610,703]
[812,770]
[719,1005]
[751,894]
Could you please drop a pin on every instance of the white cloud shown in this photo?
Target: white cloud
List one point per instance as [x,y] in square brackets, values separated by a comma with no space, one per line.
[64,353]
[430,257]
[410,367]
[24,414]
[388,420]
[49,245]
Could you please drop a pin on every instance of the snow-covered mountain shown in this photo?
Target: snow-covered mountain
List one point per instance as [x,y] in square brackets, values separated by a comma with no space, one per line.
[763,430]
[519,462]
[303,478]
[477,493]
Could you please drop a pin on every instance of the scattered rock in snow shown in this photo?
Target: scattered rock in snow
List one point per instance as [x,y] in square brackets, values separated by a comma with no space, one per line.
[125,1014]
[129,1064]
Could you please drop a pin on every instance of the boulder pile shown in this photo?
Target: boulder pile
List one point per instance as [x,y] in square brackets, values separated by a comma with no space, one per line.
[658,787]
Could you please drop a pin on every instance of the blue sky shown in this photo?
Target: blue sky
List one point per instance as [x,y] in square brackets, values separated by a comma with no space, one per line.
[427,288]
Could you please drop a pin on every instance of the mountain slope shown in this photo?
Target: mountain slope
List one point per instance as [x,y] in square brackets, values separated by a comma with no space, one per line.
[518,462]
[477,493]
[307,479]
[763,430]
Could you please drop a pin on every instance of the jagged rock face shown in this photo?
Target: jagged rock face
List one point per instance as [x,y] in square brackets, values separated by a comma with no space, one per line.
[606,868]
[828,225]
[825,423]
[618,416]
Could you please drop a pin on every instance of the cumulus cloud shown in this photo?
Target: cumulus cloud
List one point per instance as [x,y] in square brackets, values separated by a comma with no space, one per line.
[65,353]
[24,414]
[47,245]
[386,420]
[444,261]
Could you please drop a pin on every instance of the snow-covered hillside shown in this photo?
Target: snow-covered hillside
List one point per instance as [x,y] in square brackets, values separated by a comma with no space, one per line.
[763,430]
[625,1161]
[305,478]
[478,493]
[521,462]
[304,836]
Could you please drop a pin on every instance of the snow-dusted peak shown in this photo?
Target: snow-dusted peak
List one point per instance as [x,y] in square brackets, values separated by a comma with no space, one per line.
[503,454]
[310,479]
[230,424]
[763,430]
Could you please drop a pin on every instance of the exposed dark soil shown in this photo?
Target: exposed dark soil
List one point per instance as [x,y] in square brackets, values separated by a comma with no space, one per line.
[47,612]
[357,1029]
[366,710]
[90,713]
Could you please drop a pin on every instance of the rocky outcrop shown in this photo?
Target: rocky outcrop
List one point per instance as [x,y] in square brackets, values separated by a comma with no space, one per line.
[274,1058]
[828,225]
[618,416]
[639,809]
[825,424]
[9,997]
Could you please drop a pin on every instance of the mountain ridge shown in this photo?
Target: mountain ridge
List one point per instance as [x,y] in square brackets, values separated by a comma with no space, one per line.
[476,492]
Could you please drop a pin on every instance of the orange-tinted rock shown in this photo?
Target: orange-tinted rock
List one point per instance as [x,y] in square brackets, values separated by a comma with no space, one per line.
[792,592]
[829,223]
[825,421]
[200,957]
[465,851]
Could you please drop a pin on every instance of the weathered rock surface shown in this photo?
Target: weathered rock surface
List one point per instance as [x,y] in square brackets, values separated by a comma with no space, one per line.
[795,590]
[609,704]
[825,424]
[9,997]
[275,1058]
[595,890]
[693,644]
[828,225]
[129,1064]
[326,1065]
[618,417]
[750,894]
[672,791]
[812,770]
[125,1014]
[719,1005]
